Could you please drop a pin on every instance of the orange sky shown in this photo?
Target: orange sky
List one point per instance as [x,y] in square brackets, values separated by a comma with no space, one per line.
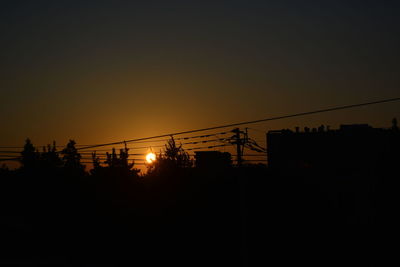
[103,72]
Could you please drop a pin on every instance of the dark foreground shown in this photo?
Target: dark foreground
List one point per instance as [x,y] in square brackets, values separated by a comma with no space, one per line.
[234,217]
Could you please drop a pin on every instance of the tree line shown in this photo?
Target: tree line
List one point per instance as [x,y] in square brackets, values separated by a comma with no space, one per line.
[68,161]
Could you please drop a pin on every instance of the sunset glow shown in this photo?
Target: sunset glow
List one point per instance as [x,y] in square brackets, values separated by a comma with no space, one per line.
[150,157]
[182,133]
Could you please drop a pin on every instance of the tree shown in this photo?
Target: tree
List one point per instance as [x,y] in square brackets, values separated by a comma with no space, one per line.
[121,161]
[72,159]
[29,156]
[116,163]
[174,157]
[96,161]
[177,154]
[49,158]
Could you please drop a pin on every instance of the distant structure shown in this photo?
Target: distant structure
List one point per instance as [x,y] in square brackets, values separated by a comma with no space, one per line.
[349,148]
[212,159]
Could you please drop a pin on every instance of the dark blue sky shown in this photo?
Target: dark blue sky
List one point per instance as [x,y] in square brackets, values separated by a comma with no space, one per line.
[110,70]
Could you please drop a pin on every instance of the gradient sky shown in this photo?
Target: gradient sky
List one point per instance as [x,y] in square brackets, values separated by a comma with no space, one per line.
[103,71]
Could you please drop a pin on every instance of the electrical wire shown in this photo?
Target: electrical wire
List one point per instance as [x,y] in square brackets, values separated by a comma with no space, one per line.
[205,147]
[251,122]
[82,147]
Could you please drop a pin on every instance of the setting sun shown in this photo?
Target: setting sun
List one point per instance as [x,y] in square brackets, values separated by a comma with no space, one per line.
[150,157]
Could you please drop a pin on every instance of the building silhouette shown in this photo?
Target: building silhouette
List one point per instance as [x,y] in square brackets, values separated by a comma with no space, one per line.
[352,147]
[212,159]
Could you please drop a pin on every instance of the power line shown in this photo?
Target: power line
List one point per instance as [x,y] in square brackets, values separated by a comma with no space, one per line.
[236,124]
[205,147]
[10,159]
[251,122]
[140,140]
[206,141]
[200,136]
[138,163]
[133,143]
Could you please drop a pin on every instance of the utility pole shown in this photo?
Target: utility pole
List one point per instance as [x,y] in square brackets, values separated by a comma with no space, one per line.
[239,142]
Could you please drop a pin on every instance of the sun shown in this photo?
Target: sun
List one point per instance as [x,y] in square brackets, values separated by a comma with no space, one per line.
[150,157]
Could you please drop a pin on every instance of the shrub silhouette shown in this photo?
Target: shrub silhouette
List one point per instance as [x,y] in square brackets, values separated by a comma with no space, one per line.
[29,156]
[72,159]
[116,163]
[173,158]
[49,159]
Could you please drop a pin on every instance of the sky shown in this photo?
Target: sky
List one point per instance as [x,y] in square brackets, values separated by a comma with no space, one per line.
[104,71]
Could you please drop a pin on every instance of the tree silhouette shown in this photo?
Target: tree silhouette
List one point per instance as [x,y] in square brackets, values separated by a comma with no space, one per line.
[96,161]
[119,161]
[29,156]
[49,158]
[116,163]
[72,159]
[174,157]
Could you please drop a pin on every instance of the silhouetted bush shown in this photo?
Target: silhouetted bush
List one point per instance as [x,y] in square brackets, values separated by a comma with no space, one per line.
[173,159]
